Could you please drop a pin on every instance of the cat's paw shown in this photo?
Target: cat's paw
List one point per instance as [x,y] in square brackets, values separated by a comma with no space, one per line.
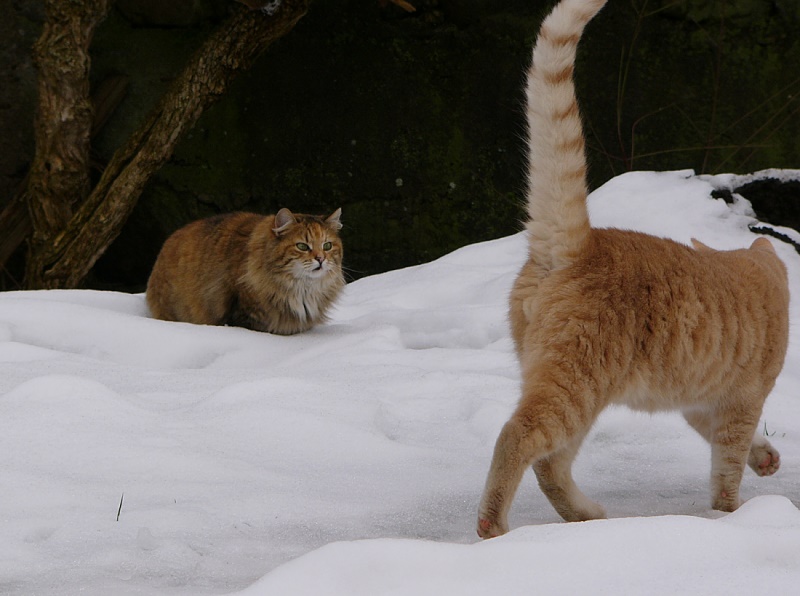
[725,502]
[764,459]
[488,528]
[587,510]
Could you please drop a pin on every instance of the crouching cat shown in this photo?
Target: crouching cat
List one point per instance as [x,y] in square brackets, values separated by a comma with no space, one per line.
[276,273]
[605,316]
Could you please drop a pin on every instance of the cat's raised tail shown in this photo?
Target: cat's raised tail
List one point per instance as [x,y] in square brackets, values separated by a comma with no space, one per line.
[558,221]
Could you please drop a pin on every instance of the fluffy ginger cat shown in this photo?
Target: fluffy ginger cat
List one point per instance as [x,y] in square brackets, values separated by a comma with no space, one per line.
[276,273]
[605,316]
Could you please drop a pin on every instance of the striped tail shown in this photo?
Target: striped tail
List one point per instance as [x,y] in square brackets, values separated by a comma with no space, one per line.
[558,225]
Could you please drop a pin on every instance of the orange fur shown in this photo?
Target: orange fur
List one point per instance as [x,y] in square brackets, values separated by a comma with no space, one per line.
[276,273]
[605,317]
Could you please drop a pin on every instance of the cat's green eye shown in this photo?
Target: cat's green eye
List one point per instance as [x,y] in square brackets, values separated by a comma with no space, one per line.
[327,246]
[302,246]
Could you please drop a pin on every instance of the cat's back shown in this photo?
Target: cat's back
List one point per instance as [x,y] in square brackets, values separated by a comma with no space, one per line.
[226,231]
[664,315]
[194,274]
[642,271]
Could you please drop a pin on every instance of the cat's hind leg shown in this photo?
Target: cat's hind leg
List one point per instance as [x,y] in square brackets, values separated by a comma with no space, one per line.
[554,474]
[514,450]
[547,421]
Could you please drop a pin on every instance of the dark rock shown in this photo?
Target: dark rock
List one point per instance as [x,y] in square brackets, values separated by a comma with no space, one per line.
[774,201]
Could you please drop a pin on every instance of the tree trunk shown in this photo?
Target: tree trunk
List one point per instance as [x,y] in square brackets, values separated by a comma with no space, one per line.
[59,174]
[67,245]
[15,219]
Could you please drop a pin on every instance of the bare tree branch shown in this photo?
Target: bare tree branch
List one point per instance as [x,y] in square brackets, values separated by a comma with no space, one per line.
[74,248]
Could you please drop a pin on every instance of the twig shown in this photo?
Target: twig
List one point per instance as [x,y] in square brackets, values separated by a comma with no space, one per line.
[711,137]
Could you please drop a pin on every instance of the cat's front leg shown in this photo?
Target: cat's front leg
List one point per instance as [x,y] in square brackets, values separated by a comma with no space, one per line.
[763,458]
[730,450]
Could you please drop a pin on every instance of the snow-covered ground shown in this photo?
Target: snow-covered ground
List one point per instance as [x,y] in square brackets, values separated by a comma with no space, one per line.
[350,460]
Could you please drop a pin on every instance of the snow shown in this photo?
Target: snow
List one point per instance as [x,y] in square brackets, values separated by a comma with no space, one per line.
[660,555]
[141,457]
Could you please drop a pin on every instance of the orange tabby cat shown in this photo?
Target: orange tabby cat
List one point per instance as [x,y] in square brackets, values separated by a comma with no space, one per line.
[276,273]
[605,317]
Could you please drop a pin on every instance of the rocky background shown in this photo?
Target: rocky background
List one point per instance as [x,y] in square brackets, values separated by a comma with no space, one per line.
[412,122]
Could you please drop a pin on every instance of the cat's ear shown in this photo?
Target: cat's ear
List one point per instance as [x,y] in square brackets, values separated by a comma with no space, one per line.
[283,219]
[763,244]
[333,219]
[700,247]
